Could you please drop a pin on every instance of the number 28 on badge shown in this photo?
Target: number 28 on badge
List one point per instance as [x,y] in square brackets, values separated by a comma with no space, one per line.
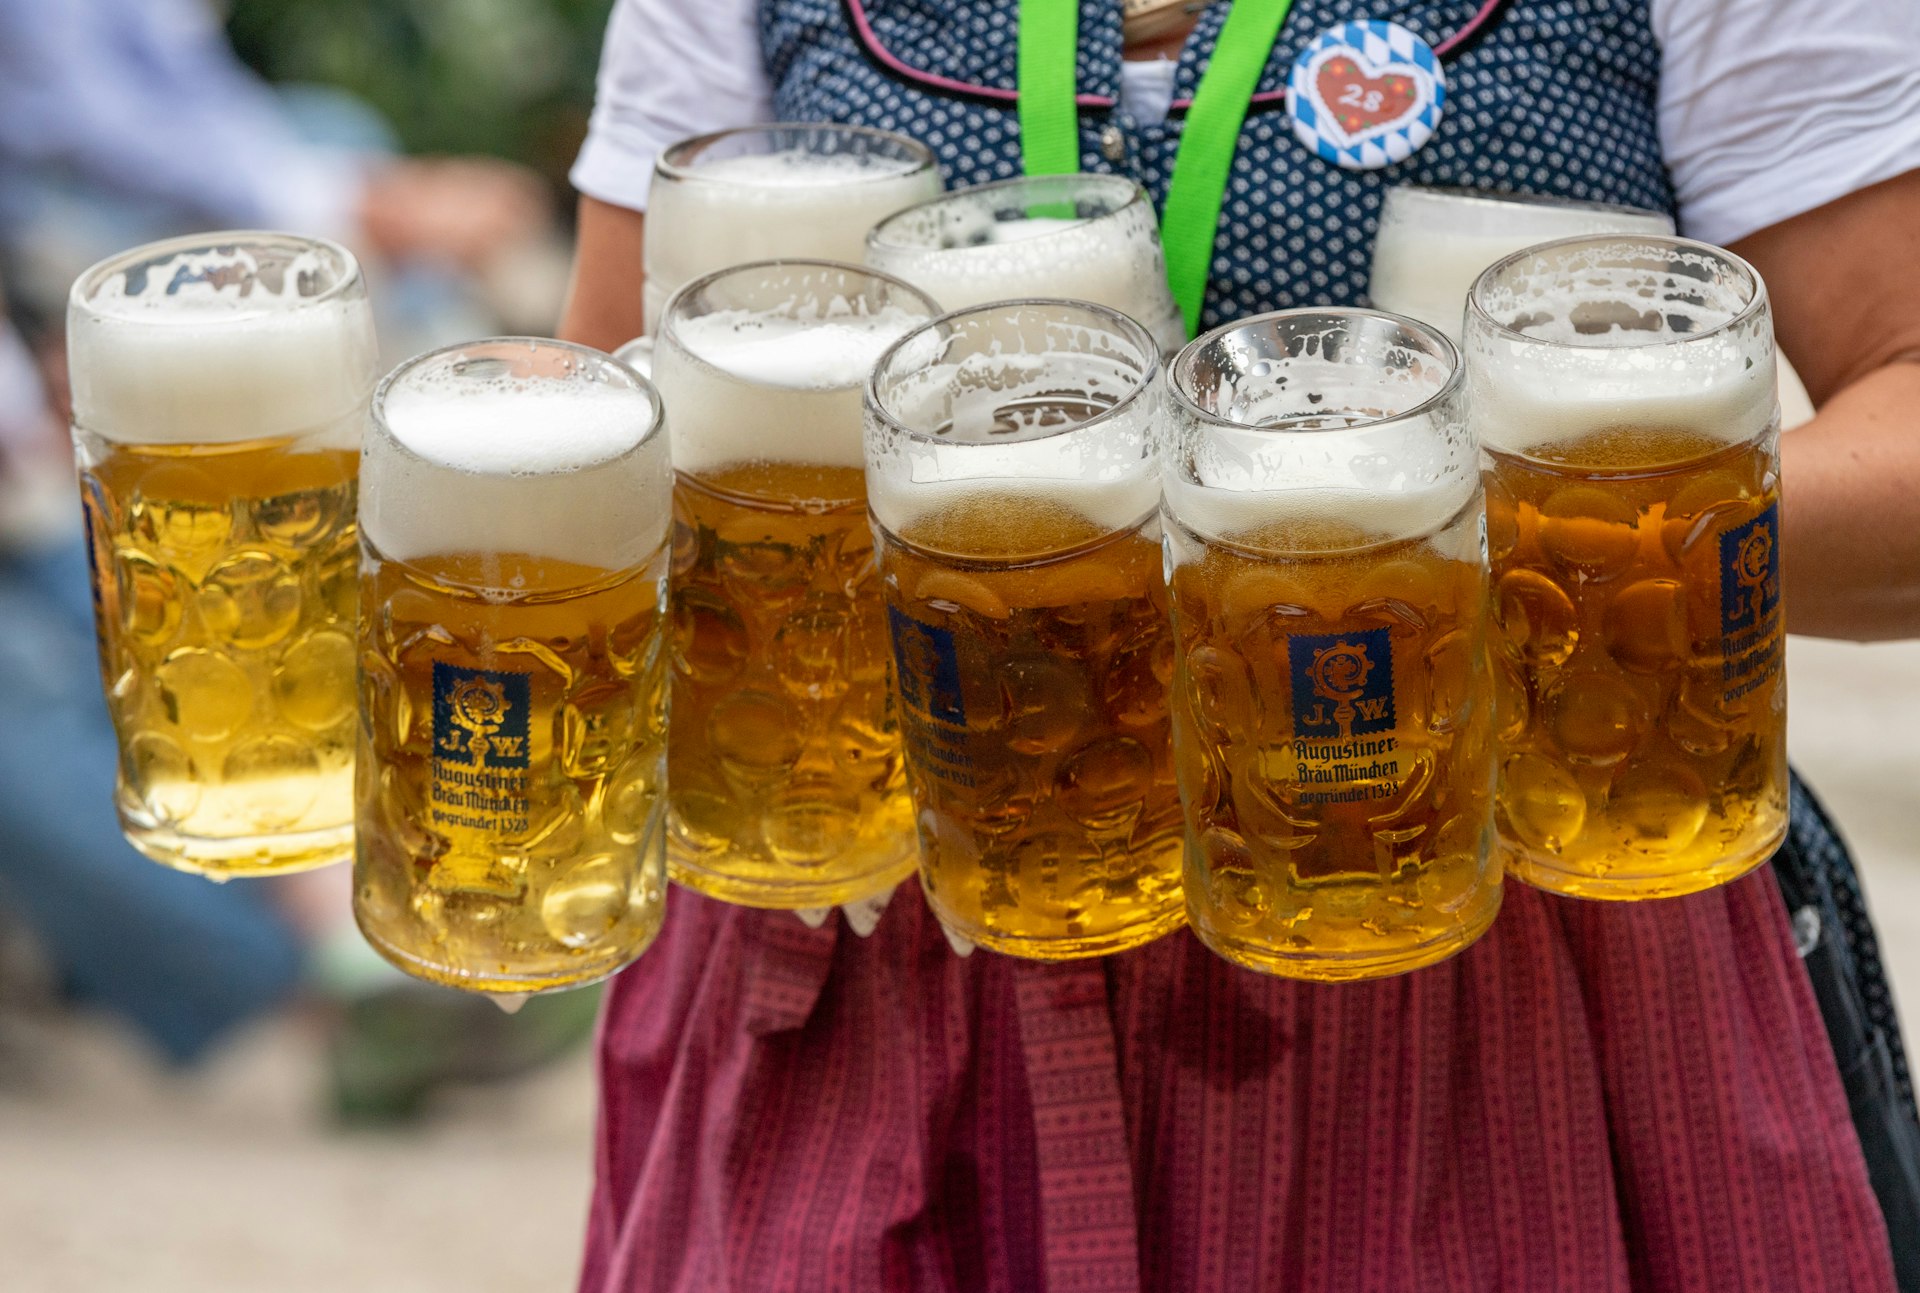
[1366,94]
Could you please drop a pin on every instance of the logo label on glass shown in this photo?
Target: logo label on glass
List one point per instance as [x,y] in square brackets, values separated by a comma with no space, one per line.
[479,717]
[928,668]
[480,748]
[1342,683]
[1750,573]
[1343,716]
[1750,637]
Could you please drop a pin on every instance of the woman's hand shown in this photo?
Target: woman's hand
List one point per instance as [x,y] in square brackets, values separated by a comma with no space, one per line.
[1845,282]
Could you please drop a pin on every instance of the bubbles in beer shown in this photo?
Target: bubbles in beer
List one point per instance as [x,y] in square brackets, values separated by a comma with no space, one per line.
[1085,237]
[1331,722]
[1049,818]
[1628,696]
[786,779]
[512,670]
[811,192]
[517,808]
[218,398]
[1432,244]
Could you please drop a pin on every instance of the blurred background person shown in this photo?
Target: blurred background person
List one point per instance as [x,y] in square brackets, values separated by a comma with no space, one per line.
[122,121]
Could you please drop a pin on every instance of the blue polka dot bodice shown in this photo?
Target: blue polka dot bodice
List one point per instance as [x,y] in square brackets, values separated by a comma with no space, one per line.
[1546,96]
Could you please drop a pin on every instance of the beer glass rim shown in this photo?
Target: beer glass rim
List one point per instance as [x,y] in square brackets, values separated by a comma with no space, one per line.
[1124,323]
[1550,201]
[656,417]
[1478,319]
[669,313]
[81,296]
[1096,179]
[671,163]
[1180,367]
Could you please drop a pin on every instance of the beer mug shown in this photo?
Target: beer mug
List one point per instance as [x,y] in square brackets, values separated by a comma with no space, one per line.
[510,800]
[1623,388]
[771,192]
[1332,717]
[219,389]
[1433,242]
[1015,494]
[784,759]
[1088,237]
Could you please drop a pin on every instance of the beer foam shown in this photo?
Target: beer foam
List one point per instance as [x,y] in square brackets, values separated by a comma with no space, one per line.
[752,386]
[814,354]
[515,426]
[957,252]
[205,367]
[1432,246]
[1524,398]
[1606,337]
[790,168]
[786,205]
[1234,516]
[525,465]
[1109,504]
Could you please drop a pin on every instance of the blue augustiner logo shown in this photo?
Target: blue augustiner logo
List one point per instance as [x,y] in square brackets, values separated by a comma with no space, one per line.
[928,669]
[1750,573]
[479,717]
[1342,683]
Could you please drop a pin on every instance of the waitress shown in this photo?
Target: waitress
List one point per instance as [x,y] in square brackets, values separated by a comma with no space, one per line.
[1593,1097]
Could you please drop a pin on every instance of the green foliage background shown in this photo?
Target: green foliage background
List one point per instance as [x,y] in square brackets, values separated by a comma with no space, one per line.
[508,78]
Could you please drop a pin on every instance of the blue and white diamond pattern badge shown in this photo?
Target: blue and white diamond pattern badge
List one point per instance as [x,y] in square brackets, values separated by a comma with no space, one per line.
[1366,94]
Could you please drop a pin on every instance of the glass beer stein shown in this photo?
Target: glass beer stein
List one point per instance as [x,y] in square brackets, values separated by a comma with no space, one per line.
[1332,717]
[1088,237]
[784,759]
[768,192]
[1433,242]
[1015,492]
[514,535]
[1623,388]
[219,391]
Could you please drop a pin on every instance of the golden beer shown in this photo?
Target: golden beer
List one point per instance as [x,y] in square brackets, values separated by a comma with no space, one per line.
[784,765]
[1633,513]
[516,738]
[1011,466]
[510,787]
[1034,653]
[1332,712]
[1637,613]
[1332,726]
[217,428]
[786,755]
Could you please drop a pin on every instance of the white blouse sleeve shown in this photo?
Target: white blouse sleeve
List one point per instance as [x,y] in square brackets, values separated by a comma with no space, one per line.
[1770,108]
[669,69]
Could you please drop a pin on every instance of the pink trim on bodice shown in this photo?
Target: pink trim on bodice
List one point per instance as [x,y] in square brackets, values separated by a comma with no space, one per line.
[863,28]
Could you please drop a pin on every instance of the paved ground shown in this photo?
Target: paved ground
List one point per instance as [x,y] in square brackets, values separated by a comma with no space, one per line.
[116,1175]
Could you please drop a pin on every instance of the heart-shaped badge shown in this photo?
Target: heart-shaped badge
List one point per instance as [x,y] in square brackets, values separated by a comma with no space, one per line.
[1366,94]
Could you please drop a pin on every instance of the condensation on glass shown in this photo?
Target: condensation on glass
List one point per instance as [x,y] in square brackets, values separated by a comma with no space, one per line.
[516,500]
[1332,715]
[219,392]
[1015,490]
[796,190]
[1624,390]
[1086,237]
[787,784]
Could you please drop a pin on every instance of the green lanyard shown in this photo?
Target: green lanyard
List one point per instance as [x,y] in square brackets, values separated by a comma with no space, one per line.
[1050,124]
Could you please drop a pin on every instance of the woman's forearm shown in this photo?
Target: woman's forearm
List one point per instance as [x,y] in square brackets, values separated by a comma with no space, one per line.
[604,306]
[1850,522]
